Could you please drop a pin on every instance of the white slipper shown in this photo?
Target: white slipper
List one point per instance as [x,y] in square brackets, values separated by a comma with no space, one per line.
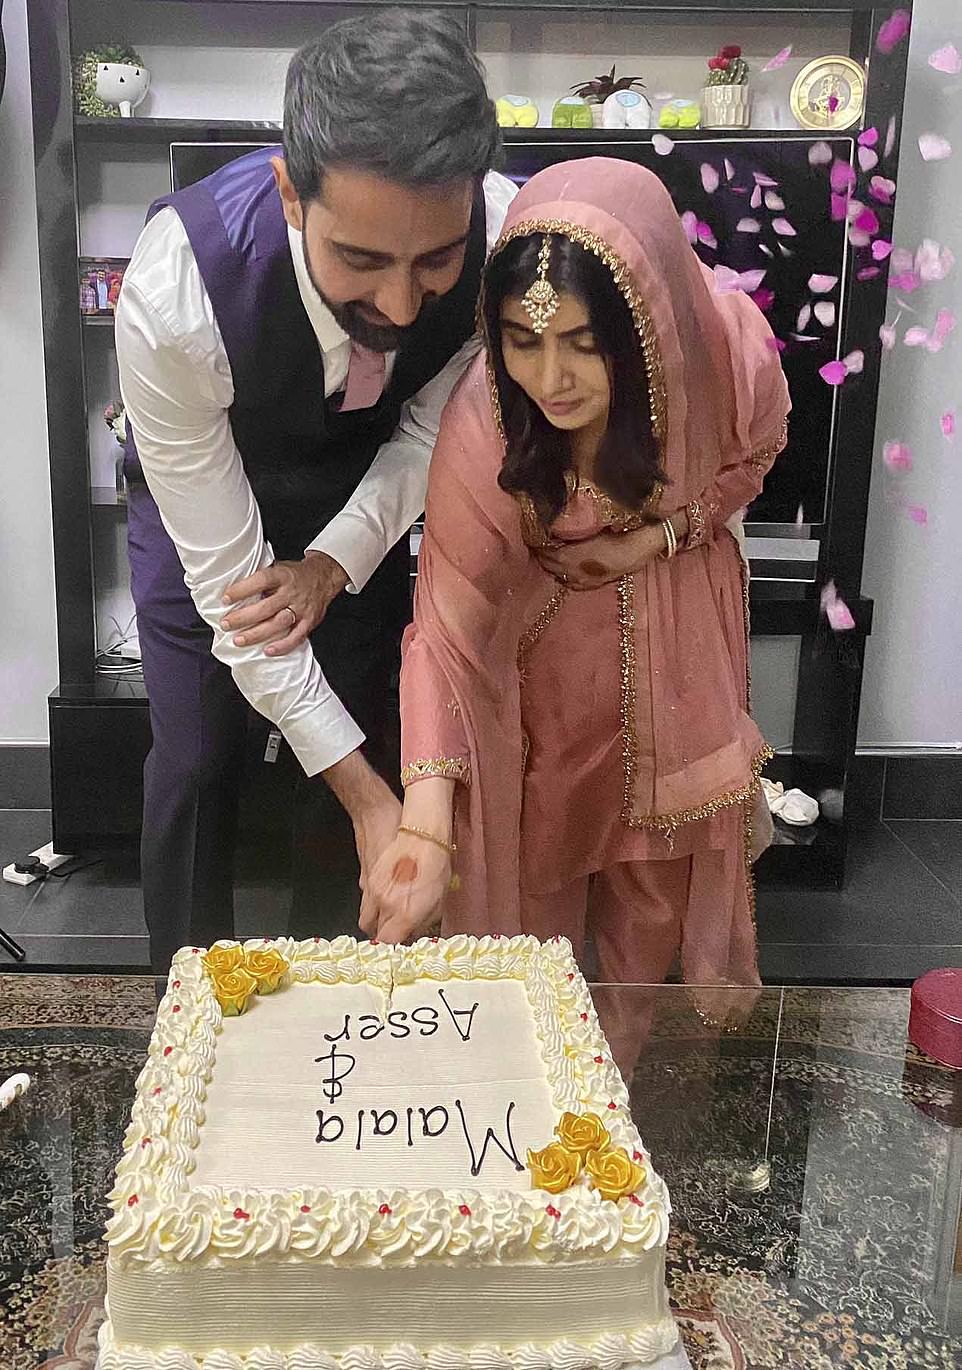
[795,807]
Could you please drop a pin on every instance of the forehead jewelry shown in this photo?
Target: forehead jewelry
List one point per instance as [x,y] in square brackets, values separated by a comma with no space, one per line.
[541,300]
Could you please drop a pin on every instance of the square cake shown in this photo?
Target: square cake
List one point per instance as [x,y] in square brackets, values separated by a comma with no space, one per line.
[346,1156]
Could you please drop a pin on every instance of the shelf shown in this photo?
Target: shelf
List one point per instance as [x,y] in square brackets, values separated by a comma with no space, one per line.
[92,130]
[97,320]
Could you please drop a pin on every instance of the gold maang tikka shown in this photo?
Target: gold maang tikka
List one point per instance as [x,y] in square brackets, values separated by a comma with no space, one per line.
[541,301]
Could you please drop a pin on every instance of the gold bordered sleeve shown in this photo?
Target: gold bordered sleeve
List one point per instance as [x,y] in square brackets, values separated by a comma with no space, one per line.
[447,767]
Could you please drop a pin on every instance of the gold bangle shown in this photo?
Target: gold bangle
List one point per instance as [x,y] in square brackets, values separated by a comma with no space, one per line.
[671,539]
[426,836]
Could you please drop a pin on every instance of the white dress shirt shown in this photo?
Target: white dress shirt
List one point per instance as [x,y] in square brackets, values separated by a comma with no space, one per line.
[177,388]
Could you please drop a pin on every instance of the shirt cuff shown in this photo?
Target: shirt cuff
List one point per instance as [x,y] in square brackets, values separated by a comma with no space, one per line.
[352,545]
[318,748]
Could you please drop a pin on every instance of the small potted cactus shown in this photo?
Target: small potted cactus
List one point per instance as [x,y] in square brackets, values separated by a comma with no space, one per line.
[726,101]
[597,92]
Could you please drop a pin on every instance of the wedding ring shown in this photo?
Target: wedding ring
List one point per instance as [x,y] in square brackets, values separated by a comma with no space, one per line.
[292,614]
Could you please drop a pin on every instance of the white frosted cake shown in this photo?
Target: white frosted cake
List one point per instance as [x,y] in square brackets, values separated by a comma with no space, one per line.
[345,1156]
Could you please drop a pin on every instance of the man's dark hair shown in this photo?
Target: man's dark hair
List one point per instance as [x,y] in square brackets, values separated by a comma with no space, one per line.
[537,455]
[399,94]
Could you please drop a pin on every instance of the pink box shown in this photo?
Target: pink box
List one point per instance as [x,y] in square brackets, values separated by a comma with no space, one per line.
[935,1022]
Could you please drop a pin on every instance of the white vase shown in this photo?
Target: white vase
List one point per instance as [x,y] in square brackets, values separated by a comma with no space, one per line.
[726,106]
[122,84]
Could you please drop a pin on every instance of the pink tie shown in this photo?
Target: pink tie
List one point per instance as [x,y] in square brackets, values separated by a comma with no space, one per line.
[365,378]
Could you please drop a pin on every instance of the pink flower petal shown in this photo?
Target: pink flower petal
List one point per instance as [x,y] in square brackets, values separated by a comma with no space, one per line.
[868,273]
[881,249]
[947,423]
[867,221]
[726,280]
[858,237]
[705,235]
[902,259]
[748,226]
[918,514]
[767,250]
[773,201]
[750,281]
[897,456]
[946,60]
[821,285]
[786,252]
[933,262]
[756,200]
[842,176]
[890,135]
[779,59]
[945,322]
[709,178]
[854,363]
[934,148]
[839,208]
[689,222]
[887,334]
[819,154]
[904,280]
[835,609]
[804,314]
[891,33]
[775,344]
[762,180]
[783,228]
[825,313]
[833,103]
[868,137]
[833,372]
[807,337]
[729,170]
[867,158]
[662,144]
[764,298]
[882,189]
[916,336]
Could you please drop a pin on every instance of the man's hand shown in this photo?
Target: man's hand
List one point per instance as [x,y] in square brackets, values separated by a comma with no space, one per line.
[374,808]
[294,597]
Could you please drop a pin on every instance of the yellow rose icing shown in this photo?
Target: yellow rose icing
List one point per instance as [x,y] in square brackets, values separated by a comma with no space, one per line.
[220,960]
[233,989]
[554,1168]
[267,967]
[582,1132]
[613,1173]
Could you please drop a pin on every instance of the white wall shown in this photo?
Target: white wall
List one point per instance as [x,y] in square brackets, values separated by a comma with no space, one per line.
[912,694]
[28,642]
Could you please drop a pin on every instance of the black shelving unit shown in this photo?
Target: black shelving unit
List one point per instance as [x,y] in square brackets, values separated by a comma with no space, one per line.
[99,728]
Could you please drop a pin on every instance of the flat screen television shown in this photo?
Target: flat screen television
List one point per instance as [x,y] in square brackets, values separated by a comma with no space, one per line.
[769,211]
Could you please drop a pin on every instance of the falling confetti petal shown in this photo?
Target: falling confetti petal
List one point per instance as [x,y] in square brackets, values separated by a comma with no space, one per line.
[783,228]
[804,314]
[887,335]
[833,103]
[881,249]
[947,60]
[916,337]
[833,373]
[867,158]
[825,313]
[800,515]
[689,222]
[773,201]
[785,251]
[839,207]
[727,280]
[729,170]
[748,226]
[842,177]
[904,280]
[854,363]
[868,137]
[858,237]
[902,259]
[918,514]
[779,59]
[821,285]
[756,200]
[775,344]
[882,189]
[868,273]
[709,178]
[819,154]
[944,325]
[934,148]
[891,33]
[807,337]
[898,456]
[890,136]
[933,262]
[662,144]
[705,235]
[762,180]
[947,423]
[867,221]
[767,250]
[835,609]
[764,298]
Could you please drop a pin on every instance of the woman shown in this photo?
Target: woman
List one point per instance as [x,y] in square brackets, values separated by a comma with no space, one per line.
[590,752]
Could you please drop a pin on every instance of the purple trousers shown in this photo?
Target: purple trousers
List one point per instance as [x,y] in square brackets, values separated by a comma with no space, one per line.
[199,721]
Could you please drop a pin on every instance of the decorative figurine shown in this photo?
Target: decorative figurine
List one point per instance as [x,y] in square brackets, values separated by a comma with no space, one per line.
[726,98]
[517,111]
[571,112]
[109,82]
[680,114]
[626,109]
[598,91]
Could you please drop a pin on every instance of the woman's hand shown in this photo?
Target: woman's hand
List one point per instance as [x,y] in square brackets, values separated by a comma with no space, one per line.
[609,556]
[403,894]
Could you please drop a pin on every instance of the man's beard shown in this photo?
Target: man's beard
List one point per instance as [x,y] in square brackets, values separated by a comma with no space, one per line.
[377,337]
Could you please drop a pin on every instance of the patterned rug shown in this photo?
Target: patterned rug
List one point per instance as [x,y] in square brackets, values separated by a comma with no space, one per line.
[847,1258]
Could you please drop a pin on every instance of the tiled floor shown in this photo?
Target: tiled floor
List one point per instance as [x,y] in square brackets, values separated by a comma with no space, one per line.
[899,915]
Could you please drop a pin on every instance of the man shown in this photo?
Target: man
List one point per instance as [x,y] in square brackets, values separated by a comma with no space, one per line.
[288,332]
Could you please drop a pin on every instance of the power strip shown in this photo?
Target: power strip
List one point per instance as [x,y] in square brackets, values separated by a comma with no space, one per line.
[45,854]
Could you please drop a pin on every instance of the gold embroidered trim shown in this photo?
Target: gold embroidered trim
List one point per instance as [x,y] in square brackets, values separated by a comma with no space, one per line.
[644,326]
[619,519]
[697,528]
[448,767]
[762,457]
[666,824]
[530,636]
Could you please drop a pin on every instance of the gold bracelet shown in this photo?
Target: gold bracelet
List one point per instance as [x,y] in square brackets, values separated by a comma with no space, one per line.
[426,836]
[671,539]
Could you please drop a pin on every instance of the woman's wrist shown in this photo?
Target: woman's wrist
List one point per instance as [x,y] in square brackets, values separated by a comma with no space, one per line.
[429,805]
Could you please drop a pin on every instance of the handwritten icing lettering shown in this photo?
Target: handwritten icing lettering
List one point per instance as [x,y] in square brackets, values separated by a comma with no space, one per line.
[340,1065]
[508,1151]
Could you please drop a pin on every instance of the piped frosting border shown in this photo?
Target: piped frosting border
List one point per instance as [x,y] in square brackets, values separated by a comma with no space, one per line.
[158,1214]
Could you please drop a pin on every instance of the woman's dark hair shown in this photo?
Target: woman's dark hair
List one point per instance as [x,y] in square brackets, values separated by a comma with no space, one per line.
[537,454]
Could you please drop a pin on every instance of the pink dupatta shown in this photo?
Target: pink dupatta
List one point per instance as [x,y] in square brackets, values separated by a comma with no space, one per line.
[719,405]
